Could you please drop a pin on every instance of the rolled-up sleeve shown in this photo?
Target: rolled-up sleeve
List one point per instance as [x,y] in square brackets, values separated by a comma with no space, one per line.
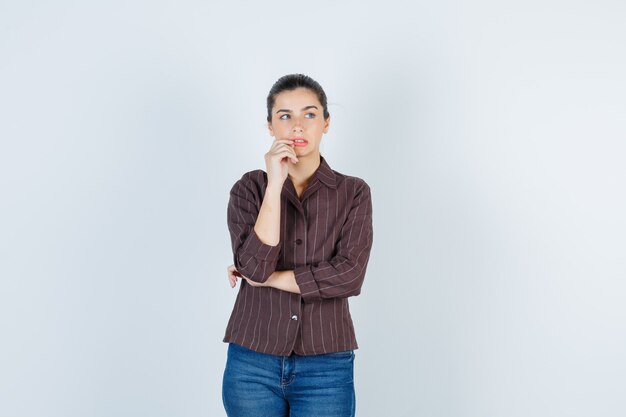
[252,258]
[343,275]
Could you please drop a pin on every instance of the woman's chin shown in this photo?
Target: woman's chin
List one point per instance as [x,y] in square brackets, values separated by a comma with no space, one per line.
[303,152]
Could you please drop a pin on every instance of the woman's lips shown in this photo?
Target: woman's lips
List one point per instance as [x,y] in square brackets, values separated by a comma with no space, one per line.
[303,142]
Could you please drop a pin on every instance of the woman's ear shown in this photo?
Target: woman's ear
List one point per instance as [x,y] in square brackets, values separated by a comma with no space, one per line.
[326,123]
[269,128]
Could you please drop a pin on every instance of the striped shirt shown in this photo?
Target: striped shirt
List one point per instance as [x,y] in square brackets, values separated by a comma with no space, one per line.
[325,238]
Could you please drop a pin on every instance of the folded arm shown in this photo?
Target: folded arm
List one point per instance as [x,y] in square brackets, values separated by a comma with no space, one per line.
[343,275]
[250,231]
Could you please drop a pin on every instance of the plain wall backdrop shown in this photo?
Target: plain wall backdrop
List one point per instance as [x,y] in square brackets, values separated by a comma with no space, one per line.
[492,135]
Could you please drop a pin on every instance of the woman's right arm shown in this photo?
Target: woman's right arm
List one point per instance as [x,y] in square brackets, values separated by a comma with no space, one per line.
[256,236]
[267,226]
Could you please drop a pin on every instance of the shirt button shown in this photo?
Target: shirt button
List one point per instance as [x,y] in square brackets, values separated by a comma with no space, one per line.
[299,241]
[294,317]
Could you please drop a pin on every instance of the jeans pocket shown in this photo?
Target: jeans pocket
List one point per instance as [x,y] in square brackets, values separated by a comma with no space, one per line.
[342,354]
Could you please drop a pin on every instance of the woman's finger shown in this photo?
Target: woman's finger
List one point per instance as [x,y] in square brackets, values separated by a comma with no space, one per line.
[276,146]
[279,141]
[280,148]
[232,275]
[286,153]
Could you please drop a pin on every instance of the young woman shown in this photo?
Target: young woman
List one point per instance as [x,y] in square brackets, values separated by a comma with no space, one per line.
[301,235]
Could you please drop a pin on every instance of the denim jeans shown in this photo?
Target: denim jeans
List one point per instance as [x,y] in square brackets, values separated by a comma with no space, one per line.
[257,384]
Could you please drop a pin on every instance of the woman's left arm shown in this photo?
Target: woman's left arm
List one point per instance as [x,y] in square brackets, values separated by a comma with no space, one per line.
[342,276]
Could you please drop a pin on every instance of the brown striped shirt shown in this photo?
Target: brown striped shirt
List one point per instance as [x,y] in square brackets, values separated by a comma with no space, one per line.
[325,237]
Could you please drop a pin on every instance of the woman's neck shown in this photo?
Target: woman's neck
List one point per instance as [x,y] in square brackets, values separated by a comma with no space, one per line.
[301,173]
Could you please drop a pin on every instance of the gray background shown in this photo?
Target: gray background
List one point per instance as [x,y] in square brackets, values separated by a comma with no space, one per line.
[492,135]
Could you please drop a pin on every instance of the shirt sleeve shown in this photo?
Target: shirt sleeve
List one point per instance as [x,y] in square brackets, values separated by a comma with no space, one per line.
[252,258]
[343,275]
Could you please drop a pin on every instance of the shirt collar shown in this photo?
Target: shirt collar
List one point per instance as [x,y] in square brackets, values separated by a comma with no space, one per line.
[325,174]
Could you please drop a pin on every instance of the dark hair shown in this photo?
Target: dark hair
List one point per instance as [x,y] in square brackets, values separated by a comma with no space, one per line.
[291,82]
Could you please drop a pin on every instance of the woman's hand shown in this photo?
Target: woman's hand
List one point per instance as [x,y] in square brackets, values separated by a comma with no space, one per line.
[282,280]
[233,274]
[277,161]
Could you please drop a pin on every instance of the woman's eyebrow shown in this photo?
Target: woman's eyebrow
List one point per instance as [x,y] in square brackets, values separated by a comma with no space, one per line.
[303,109]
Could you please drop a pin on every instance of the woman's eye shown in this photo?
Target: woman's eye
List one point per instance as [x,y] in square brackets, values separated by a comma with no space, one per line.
[312,116]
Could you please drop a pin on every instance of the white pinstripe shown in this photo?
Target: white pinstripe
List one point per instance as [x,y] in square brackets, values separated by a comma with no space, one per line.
[245,331]
[267,339]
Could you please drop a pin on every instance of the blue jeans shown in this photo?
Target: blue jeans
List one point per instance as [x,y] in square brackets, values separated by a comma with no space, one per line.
[257,384]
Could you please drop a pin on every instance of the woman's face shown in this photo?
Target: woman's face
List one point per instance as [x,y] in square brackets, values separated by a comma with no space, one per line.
[299,114]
